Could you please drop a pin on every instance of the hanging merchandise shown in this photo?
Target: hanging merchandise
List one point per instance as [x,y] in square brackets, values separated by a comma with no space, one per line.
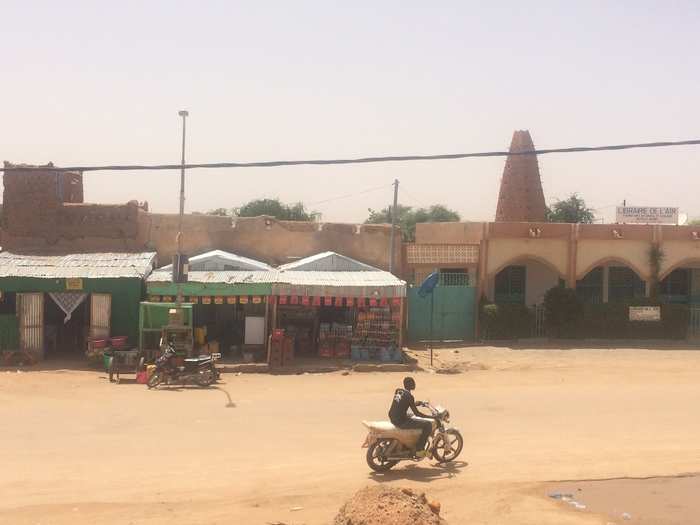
[257,299]
[218,300]
[305,300]
[243,299]
[295,299]
[283,299]
[68,302]
[327,301]
[316,301]
[206,300]
[231,299]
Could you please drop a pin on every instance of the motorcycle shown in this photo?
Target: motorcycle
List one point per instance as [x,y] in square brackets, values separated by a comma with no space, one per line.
[387,444]
[197,370]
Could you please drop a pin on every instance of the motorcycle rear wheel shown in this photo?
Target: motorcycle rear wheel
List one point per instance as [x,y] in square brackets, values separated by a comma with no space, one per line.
[375,457]
[155,380]
[444,454]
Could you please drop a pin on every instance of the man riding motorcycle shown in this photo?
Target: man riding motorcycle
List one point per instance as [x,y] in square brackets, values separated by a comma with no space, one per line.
[398,415]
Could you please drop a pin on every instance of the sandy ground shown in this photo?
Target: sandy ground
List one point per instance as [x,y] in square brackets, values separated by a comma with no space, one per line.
[76,449]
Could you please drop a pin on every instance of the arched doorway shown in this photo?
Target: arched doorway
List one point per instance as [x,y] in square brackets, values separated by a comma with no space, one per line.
[612,282]
[525,282]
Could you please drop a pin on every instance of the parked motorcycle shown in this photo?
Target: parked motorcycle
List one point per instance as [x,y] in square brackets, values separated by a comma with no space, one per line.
[387,444]
[197,370]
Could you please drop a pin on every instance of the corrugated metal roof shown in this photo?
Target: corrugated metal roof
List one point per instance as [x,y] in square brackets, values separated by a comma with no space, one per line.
[329,262]
[81,265]
[228,258]
[339,283]
[163,275]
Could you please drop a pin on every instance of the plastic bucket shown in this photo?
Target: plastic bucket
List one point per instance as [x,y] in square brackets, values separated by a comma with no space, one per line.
[384,355]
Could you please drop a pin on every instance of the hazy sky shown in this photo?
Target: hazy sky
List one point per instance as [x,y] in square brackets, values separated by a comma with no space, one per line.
[102,82]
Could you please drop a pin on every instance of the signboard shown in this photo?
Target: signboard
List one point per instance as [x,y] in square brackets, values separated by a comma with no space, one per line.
[74,284]
[646,215]
[645,313]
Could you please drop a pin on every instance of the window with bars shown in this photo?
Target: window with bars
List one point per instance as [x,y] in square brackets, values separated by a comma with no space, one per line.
[590,288]
[677,286]
[624,284]
[510,285]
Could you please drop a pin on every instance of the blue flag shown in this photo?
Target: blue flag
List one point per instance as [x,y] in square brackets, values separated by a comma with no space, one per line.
[429,284]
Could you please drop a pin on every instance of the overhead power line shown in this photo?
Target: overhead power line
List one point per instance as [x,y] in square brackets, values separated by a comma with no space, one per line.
[361,160]
[347,196]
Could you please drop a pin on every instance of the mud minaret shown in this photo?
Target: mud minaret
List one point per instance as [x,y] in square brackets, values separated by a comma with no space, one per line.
[521,198]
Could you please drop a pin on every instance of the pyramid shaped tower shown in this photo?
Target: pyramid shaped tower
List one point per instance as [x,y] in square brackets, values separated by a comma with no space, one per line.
[521,198]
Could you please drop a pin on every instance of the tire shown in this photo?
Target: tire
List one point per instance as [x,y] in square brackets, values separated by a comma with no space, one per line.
[155,380]
[206,378]
[110,370]
[456,443]
[375,461]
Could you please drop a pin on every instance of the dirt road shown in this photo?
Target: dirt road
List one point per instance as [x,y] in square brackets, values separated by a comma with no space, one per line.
[76,449]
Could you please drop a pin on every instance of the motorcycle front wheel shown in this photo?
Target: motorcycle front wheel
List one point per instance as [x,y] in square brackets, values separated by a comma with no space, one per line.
[448,446]
[155,380]
[205,378]
[375,456]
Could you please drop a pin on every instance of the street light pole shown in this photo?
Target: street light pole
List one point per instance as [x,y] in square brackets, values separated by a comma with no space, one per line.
[184,114]
[393,225]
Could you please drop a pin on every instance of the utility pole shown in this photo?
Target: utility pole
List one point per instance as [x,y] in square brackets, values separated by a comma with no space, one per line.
[393,225]
[176,267]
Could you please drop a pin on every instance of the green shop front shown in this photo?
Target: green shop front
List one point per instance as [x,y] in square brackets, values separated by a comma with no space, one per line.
[51,306]
[230,309]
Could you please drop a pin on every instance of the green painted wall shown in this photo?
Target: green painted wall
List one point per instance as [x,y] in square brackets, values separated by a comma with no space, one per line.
[9,332]
[126,295]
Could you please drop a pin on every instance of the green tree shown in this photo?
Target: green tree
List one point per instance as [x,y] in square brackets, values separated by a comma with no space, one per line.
[270,207]
[408,217]
[694,222]
[222,212]
[572,210]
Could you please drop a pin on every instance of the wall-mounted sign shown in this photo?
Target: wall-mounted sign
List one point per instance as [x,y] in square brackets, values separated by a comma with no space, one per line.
[645,313]
[74,284]
[646,215]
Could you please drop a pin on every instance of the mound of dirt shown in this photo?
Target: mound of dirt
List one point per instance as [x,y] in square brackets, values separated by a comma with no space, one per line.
[388,506]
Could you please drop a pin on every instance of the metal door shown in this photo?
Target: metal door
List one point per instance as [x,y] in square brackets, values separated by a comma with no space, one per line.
[100,314]
[31,322]
[453,314]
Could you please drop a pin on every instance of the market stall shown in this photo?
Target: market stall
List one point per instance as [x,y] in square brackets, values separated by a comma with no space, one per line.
[335,306]
[230,307]
[64,305]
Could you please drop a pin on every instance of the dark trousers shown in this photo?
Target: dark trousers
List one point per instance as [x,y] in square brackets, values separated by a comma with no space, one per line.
[424,425]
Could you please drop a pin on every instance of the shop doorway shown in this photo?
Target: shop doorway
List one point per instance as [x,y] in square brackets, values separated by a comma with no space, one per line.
[302,324]
[66,325]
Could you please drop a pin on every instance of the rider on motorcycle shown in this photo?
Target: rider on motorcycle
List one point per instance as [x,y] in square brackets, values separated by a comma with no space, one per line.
[398,414]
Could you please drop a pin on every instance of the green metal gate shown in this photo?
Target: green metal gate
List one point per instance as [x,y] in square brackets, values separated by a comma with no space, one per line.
[453,314]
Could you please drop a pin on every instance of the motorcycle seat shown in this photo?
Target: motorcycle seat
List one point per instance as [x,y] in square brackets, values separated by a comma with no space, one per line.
[381,426]
[198,359]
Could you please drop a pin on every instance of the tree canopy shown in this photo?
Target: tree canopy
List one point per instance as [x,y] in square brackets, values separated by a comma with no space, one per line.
[572,210]
[407,217]
[270,207]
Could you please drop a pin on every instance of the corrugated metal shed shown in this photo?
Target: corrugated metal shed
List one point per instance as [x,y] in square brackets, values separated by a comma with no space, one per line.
[328,262]
[339,283]
[214,283]
[163,275]
[218,260]
[79,266]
